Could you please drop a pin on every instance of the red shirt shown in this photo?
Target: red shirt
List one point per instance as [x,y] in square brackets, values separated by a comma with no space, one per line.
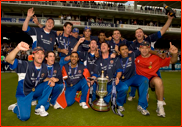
[149,66]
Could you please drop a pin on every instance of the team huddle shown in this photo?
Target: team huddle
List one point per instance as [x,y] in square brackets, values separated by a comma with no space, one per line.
[45,83]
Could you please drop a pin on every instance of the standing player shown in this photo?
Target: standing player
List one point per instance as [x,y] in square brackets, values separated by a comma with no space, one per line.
[148,65]
[43,37]
[66,44]
[102,38]
[129,77]
[87,35]
[139,34]
[75,33]
[30,82]
[75,75]
[117,40]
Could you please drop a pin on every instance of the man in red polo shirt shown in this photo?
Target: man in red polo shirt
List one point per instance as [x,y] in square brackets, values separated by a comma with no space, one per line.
[148,65]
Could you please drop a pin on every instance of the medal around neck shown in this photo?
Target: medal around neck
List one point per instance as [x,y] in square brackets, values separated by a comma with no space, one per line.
[100,104]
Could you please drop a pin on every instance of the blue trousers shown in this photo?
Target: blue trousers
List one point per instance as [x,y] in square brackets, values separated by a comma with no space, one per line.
[133,89]
[62,62]
[121,93]
[56,91]
[141,83]
[71,91]
[23,108]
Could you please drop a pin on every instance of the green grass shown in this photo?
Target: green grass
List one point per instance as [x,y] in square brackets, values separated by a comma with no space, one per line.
[76,116]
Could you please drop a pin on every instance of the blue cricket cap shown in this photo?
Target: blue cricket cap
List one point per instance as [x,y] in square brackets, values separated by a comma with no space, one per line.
[75,30]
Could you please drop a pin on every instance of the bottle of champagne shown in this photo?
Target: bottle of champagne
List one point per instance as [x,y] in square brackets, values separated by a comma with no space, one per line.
[169,10]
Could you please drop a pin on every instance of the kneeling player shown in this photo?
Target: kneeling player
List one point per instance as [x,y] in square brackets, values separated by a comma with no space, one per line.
[129,77]
[30,82]
[148,65]
[75,75]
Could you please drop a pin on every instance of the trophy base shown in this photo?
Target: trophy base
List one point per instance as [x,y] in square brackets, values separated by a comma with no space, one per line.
[101,107]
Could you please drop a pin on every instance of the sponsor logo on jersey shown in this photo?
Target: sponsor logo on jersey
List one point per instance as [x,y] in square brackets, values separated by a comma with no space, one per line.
[111,62]
[79,71]
[130,59]
[42,75]
[55,71]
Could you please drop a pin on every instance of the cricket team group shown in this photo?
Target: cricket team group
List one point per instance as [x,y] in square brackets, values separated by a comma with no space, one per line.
[44,83]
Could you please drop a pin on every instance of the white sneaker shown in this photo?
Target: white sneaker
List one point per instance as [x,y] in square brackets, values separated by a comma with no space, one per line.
[57,106]
[41,111]
[143,111]
[164,103]
[84,105]
[121,108]
[34,103]
[130,98]
[160,111]
[11,107]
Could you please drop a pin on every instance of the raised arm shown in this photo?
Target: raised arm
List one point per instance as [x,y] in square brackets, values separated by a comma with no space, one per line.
[167,24]
[81,40]
[11,56]
[35,20]
[174,52]
[30,13]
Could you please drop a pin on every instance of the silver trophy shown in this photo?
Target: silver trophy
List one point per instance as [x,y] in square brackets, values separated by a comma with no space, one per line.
[100,105]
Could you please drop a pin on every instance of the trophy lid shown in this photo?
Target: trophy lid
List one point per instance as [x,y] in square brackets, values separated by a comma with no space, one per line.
[102,76]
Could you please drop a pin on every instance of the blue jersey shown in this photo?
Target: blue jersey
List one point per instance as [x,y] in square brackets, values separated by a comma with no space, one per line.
[151,39]
[88,60]
[41,38]
[77,37]
[28,75]
[74,75]
[66,43]
[112,44]
[99,43]
[85,45]
[128,65]
[55,71]
[110,66]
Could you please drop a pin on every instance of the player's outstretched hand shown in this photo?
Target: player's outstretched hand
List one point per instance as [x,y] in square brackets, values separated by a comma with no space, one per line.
[30,12]
[35,20]
[81,40]
[23,46]
[173,49]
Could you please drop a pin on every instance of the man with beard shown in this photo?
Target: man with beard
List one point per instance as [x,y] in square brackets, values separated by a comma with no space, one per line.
[30,82]
[75,76]
[129,77]
[148,65]
[43,37]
